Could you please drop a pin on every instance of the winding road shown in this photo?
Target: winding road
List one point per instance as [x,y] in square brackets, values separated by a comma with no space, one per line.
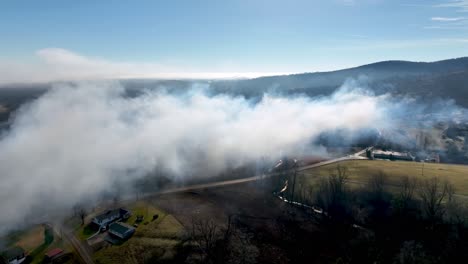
[355,156]
[85,254]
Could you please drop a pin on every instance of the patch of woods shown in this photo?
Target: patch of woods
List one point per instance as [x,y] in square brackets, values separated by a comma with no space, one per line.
[225,243]
[413,220]
[409,220]
[419,220]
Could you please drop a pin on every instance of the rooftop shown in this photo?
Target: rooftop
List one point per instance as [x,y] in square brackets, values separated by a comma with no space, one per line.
[13,252]
[120,228]
[54,252]
[116,212]
[394,153]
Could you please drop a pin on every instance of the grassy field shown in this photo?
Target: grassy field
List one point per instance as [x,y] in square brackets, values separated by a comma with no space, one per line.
[36,241]
[84,231]
[153,240]
[361,170]
[32,238]
[145,209]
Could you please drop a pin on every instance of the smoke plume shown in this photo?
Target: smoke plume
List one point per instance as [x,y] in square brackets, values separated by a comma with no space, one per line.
[77,139]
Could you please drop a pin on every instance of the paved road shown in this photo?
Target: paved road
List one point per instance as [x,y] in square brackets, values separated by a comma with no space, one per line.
[85,254]
[355,156]
[81,249]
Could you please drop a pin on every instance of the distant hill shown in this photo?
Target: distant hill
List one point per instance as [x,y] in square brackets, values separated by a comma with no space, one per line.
[445,79]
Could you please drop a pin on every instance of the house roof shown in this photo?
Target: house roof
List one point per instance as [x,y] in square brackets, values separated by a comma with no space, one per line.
[120,228]
[13,252]
[107,214]
[111,213]
[54,252]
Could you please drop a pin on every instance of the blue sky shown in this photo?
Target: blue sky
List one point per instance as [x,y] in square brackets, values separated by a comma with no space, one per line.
[229,36]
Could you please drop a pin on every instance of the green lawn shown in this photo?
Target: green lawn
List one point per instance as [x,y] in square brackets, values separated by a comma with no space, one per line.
[153,240]
[146,210]
[143,208]
[361,170]
[83,232]
[37,241]
[28,239]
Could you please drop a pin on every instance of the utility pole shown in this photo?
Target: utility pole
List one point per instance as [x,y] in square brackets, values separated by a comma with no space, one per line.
[422,169]
[294,180]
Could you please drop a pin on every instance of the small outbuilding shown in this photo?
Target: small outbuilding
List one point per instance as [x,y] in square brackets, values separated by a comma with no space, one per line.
[53,254]
[121,230]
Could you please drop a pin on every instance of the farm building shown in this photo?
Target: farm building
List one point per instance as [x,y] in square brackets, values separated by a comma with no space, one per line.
[121,230]
[53,254]
[104,219]
[14,255]
[390,155]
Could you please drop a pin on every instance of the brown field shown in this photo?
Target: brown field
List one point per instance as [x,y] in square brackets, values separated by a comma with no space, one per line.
[32,239]
[251,206]
[153,240]
[360,170]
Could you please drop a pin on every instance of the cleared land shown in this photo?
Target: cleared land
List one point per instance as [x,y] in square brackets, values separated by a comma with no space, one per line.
[32,238]
[153,240]
[36,241]
[359,171]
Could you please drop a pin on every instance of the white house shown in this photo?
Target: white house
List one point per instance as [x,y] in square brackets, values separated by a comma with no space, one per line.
[104,219]
[14,255]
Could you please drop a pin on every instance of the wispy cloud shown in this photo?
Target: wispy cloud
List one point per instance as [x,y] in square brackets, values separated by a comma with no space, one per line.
[459,40]
[55,64]
[451,22]
[460,5]
[448,19]
[449,27]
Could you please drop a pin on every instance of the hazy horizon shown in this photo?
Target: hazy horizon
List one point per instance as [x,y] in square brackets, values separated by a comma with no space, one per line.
[54,41]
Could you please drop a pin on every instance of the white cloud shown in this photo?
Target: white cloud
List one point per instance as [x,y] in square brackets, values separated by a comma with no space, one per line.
[448,19]
[56,64]
[460,5]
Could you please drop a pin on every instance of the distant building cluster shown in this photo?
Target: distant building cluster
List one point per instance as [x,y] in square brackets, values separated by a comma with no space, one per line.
[402,156]
[17,255]
[110,221]
[389,155]
[434,158]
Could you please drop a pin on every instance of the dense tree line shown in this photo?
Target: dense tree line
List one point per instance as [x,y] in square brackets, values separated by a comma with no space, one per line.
[415,220]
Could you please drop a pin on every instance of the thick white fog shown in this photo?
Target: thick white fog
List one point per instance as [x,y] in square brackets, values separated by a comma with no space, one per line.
[75,141]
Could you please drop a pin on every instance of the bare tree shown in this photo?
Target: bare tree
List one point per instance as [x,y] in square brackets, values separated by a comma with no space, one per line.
[76,210]
[376,184]
[82,214]
[332,193]
[412,252]
[406,195]
[377,202]
[407,188]
[304,194]
[80,211]
[432,192]
[222,243]
[206,233]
